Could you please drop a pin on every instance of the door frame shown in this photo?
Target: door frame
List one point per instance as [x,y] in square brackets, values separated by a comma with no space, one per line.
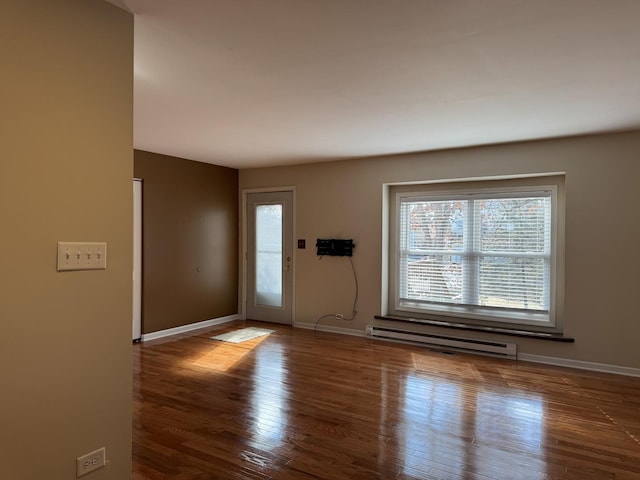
[138,187]
[242,303]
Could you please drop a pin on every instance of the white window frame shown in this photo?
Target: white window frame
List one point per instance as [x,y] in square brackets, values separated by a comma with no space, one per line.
[470,313]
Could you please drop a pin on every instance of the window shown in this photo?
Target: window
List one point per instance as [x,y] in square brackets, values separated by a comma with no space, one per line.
[485,254]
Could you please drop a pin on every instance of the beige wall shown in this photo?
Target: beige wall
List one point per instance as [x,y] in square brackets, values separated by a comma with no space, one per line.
[344,199]
[190,241]
[66,163]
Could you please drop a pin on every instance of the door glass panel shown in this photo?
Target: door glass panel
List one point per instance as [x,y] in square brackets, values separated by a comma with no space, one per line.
[269,255]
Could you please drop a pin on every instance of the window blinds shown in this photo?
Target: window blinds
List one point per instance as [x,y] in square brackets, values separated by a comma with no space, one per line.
[483,252]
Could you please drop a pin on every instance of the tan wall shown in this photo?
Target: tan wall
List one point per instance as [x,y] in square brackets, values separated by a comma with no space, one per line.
[344,199]
[66,163]
[190,241]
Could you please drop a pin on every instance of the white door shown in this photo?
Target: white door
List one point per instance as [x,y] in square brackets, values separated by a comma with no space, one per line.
[137,259]
[270,257]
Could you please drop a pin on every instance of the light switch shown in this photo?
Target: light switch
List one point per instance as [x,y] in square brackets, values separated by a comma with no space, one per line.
[82,256]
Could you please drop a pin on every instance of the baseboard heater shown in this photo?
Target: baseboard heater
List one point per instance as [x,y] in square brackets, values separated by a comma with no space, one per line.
[445,342]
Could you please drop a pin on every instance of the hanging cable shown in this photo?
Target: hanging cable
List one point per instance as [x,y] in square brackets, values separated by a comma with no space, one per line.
[355,301]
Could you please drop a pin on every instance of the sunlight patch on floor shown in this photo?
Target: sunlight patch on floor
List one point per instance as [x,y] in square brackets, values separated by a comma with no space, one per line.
[441,364]
[223,356]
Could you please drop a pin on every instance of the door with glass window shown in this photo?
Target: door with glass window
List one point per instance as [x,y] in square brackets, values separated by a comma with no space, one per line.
[270,256]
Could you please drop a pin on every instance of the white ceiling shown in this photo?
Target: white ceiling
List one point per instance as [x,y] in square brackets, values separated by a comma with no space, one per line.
[247,83]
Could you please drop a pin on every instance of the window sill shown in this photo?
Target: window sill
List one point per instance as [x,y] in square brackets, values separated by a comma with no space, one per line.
[554,337]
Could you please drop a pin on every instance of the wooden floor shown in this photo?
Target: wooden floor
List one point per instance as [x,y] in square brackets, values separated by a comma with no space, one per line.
[303,405]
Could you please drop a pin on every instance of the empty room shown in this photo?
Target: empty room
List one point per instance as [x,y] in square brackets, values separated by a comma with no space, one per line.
[357,239]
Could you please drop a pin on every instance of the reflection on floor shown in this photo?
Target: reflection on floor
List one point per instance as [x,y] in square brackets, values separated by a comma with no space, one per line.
[302,405]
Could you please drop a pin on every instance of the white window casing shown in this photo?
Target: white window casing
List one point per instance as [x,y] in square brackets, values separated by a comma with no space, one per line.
[483,254]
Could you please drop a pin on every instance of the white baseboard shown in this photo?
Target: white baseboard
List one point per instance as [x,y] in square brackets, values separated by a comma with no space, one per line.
[188,328]
[565,362]
[326,328]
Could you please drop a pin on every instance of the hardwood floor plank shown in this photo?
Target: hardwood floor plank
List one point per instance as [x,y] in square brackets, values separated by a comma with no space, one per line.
[304,405]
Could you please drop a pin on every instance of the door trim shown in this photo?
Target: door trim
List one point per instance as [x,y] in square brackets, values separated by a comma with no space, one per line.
[136,311]
[242,301]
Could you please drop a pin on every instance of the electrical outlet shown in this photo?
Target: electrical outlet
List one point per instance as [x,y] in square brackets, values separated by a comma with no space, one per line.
[91,461]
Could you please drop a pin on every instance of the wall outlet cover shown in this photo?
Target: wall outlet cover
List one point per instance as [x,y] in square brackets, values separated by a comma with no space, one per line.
[91,461]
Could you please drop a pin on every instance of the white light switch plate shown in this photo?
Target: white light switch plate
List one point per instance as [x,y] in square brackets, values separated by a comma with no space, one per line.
[82,256]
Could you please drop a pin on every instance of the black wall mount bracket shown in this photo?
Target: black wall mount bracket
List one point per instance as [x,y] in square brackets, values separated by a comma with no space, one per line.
[335,247]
